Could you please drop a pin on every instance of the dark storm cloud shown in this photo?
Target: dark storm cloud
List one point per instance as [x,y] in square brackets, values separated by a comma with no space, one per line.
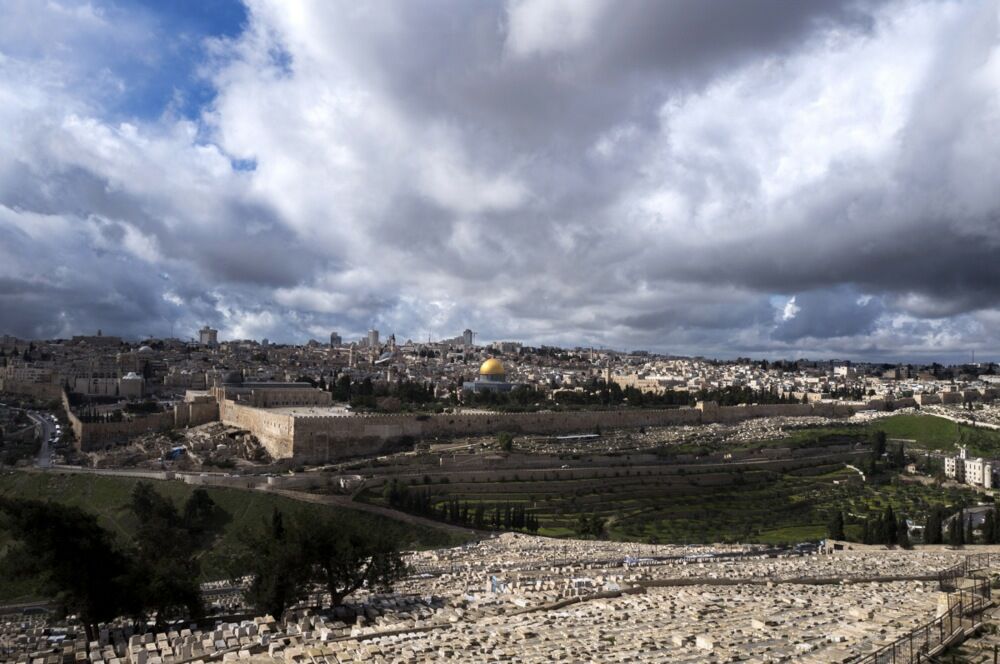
[664,174]
[840,312]
[640,53]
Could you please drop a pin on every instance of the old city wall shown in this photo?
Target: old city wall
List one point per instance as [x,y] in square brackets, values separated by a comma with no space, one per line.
[95,435]
[35,390]
[319,438]
[191,414]
[326,438]
[273,430]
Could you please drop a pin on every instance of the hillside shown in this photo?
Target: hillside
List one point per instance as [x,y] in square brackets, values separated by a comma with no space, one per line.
[108,497]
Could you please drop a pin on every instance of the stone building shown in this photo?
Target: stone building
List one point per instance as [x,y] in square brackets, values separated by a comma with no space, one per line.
[269,395]
[208,337]
[975,472]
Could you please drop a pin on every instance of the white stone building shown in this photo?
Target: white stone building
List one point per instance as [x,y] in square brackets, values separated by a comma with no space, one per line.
[976,472]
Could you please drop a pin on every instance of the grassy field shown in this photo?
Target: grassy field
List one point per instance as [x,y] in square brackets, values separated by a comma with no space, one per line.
[108,498]
[937,433]
[928,432]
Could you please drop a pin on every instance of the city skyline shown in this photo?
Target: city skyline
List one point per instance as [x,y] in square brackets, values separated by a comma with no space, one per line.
[716,179]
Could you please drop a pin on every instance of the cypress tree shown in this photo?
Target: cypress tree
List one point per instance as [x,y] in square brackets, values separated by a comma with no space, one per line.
[835,529]
[989,528]
[903,535]
[956,534]
[932,528]
[889,527]
[878,445]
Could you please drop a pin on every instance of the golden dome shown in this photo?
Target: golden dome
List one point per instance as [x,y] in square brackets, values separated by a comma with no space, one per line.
[491,367]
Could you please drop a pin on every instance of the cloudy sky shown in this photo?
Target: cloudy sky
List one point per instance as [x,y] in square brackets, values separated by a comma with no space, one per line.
[763,177]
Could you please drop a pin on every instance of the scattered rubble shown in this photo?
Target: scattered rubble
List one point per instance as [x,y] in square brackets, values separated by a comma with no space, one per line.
[214,444]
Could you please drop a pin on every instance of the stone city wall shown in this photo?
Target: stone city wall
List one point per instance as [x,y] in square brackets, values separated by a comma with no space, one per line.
[35,390]
[96,435]
[324,438]
[191,414]
[273,430]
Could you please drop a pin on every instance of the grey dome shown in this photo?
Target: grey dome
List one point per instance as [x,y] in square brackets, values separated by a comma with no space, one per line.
[232,378]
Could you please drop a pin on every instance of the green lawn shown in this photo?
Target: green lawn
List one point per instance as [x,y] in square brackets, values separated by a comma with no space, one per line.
[937,433]
[108,498]
[929,432]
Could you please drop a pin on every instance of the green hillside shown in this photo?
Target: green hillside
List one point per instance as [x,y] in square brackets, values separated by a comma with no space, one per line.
[937,433]
[108,497]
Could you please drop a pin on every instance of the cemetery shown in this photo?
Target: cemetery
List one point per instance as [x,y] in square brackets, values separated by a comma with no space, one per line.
[521,598]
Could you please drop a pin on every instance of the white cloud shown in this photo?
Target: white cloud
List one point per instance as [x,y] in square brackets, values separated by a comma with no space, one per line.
[552,26]
[790,309]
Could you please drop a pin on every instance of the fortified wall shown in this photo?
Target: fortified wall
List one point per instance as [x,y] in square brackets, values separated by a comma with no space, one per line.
[31,389]
[319,438]
[194,410]
[322,438]
[274,430]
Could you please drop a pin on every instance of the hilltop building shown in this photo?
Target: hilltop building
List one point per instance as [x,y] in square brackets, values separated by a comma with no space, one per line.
[976,472]
[208,337]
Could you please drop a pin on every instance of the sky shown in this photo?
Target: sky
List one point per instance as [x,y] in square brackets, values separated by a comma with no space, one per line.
[758,178]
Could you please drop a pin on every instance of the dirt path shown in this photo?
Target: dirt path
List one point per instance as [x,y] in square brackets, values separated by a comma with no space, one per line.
[347,503]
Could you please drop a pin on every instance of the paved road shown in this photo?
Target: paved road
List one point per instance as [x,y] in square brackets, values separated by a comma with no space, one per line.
[44,458]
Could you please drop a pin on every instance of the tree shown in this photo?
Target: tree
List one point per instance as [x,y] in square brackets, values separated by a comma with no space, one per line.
[990,528]
[277,564]
[166,568]
[77,560]
[888,527]
[903,535]
[344,560]
[590,524]
[956,533]
[199,511]
[878,445]
[506,441]
[835,529]
[932,527]
[898,456]
[286,559]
